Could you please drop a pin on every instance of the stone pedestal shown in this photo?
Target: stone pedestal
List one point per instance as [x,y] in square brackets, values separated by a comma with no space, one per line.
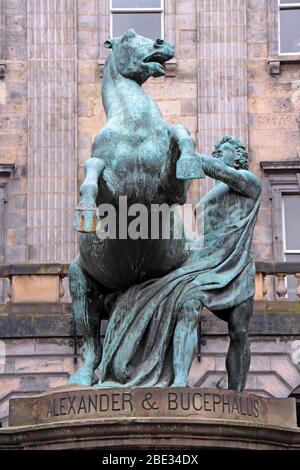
[150,418]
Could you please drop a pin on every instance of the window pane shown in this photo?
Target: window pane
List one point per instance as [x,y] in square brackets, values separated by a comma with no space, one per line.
[145,24]
[290,30]
[291,281]
[292,221]
[283,2]
[136,3]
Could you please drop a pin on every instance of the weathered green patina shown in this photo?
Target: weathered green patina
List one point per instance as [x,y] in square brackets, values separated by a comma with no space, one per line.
[153,290]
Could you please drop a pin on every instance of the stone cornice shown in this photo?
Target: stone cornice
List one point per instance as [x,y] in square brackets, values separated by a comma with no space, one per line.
[2,71]
[147,433]
[281,166]
[7,169]
[275,62]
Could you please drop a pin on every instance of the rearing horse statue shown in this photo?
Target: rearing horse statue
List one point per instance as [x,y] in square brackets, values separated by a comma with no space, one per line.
[138,155]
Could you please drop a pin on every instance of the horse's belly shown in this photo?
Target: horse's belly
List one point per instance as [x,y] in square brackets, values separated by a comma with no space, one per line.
[138,169]
[118,264]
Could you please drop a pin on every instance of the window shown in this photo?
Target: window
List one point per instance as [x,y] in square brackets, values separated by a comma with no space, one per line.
[6,169]
[291,236]
[282,195]
[289,27]
[144,16]
[2,235]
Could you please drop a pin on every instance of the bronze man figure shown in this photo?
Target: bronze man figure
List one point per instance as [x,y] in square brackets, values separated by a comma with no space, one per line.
[234,196]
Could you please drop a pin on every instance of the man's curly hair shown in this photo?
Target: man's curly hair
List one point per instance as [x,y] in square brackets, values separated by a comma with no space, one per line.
[241,155]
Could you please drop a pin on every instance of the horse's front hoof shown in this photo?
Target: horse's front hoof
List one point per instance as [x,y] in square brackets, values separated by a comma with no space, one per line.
[108,384]
[82,376]
[189,167]
[86,220]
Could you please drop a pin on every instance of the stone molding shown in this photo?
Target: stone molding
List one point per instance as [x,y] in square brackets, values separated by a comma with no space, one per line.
[149,433]
[282,166]
[7,169]
[51,319]
[274,64]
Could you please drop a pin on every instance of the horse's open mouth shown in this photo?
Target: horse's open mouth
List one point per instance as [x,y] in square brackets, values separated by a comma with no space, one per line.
[157,58]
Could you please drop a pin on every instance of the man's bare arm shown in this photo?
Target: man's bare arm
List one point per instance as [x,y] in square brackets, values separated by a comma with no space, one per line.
[242,181]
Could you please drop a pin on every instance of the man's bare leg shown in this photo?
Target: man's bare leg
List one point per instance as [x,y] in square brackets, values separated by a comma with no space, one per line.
[185,341]
[238,356]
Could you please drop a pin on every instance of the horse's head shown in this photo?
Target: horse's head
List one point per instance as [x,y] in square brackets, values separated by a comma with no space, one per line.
[139,58]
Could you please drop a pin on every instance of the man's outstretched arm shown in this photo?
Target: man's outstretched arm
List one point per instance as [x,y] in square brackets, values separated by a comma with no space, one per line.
[242,181]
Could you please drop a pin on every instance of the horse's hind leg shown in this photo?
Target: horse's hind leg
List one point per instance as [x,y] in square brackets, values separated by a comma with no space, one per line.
[87,306]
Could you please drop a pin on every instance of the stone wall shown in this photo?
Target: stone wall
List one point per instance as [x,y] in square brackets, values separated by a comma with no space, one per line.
[50,101]
[273,109]
[273,99]
[14,124]
[32,366]
[272,372]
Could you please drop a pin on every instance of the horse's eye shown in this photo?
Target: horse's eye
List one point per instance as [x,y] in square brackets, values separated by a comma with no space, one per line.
[158,42]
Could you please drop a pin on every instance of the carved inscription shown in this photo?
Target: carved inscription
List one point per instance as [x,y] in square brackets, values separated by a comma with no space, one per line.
[74,403]
[214,402]
[89,403]
[124,402]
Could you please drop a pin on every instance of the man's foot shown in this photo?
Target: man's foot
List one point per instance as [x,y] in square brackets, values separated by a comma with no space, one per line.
[179,382]
[83,376]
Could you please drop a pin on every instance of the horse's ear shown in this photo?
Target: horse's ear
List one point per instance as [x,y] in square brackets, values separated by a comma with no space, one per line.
[129,34]
[108,44]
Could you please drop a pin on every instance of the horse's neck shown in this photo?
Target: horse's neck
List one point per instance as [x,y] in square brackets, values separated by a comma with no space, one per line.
[122,96]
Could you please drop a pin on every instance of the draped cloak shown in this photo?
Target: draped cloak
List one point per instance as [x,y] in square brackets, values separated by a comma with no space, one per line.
[220,272]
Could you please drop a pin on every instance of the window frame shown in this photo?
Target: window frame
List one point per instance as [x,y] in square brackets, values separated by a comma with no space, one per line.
[293,192]
[285,6]
[279,190]
[160,10]
[6,171]
[285,251]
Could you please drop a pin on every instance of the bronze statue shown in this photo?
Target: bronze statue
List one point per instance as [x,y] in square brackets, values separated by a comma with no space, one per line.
[152,289]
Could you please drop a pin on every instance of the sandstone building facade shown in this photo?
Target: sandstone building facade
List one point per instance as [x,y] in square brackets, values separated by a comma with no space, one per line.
[236,71]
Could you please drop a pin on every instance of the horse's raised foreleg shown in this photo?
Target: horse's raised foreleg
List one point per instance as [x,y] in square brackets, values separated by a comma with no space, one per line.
[86,211]
[87,307]
[188,165]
